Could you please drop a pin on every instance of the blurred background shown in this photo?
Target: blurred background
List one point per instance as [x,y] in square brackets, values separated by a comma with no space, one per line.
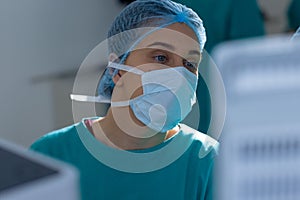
[43,43]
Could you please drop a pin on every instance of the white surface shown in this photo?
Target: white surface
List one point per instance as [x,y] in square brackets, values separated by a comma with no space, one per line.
[260,143]
[62,185]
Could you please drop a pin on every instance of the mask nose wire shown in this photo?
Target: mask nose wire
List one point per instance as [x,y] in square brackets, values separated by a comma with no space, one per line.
[125,68]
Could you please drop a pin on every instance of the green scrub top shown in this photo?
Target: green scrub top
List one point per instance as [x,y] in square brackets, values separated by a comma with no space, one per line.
[294,15]
[179,168]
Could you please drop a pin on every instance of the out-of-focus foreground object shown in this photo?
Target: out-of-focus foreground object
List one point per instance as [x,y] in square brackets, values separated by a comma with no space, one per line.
[27,175]
[297,34]
[260,143]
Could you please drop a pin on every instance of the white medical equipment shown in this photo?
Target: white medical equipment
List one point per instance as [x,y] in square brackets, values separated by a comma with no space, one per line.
[260,144]
[26,175]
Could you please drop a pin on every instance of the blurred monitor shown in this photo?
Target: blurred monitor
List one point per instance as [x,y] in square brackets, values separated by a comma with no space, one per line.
[27,175]
[260,144]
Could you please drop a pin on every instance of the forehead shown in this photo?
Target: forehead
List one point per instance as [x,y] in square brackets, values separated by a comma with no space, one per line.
[178,35]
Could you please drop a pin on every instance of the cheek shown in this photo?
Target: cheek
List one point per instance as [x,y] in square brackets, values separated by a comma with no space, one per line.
[133,85]
[137,92]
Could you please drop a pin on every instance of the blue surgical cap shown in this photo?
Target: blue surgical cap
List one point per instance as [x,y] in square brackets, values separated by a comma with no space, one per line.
[142,14]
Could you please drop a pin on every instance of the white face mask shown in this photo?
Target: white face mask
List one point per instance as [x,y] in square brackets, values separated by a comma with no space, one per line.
[168,96]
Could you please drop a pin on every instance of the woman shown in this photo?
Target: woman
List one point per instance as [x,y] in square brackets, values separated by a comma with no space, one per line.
[139,150]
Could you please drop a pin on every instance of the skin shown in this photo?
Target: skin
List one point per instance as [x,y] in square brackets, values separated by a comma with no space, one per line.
[171,47]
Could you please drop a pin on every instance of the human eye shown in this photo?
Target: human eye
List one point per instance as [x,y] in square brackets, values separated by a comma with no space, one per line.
[191,66]
[160,58]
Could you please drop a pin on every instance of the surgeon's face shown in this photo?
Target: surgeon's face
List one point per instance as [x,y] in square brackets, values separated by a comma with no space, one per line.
[175,45]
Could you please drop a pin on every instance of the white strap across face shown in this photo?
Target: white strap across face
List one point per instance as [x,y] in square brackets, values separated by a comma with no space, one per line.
[120,103]
[125,68]
[102,99]
[84,98]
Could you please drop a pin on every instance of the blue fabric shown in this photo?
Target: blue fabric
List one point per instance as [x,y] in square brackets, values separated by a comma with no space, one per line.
[151,13]
[188,177]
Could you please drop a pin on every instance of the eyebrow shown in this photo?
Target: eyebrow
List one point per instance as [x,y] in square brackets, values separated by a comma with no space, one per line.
[171,47]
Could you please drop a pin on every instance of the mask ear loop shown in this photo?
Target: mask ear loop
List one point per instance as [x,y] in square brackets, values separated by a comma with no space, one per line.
[85,98]
[127,68]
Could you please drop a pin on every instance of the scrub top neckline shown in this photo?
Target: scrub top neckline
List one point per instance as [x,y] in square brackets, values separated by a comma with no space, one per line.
[150,149]
[135,161]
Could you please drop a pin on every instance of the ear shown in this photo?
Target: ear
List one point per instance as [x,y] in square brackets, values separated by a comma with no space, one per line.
[117,80]
[113,57]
